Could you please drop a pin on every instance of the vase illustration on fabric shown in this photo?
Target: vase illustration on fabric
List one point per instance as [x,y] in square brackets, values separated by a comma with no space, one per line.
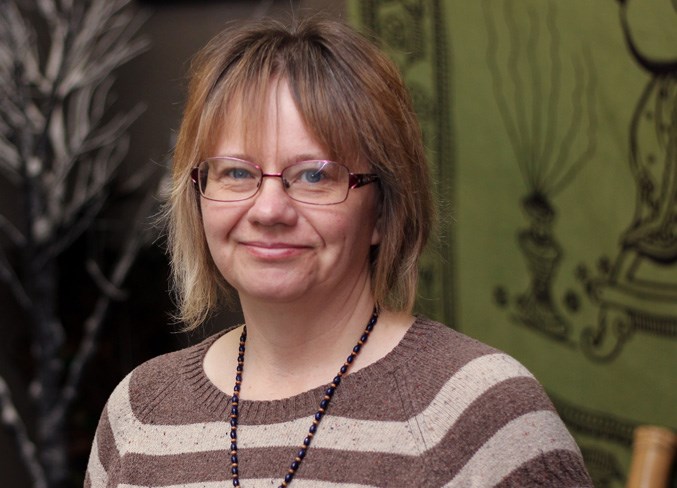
[547,106]
[638,293]
[542,253]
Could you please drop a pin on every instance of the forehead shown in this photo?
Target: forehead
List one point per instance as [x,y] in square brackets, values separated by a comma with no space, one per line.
[244,107]
[269,127]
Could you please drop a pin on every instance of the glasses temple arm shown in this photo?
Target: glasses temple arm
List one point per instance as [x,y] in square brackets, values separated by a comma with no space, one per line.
[358,180]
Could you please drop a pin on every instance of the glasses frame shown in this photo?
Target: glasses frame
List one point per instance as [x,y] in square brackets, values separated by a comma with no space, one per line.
[355,180]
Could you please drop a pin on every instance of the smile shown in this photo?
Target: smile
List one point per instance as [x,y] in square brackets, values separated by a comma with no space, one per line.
[274,250]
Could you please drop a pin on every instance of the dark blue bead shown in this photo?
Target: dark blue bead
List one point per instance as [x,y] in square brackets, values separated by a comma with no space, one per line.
[350,358]
[235,399]
[337,380]
[343,369]
[239,368]
[236,482]
[370,327]
[233,422]
[233,434]
[364,337]
[238,377]
[356,349]
[313,428]
[233,459]
[236,388]
[302,453]
[318,416]
[240,358]
[324,404]
[233,446]
[295,465]
[233,470]
[241,348]
[329,391]
[288,477]
[306,441]
[234,410]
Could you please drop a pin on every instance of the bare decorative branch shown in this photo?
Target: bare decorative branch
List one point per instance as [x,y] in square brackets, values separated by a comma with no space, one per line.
[62,147]
[8,276]
[94,321]
[12,419]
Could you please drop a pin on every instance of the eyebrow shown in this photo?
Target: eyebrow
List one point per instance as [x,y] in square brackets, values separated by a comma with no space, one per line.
[286,162]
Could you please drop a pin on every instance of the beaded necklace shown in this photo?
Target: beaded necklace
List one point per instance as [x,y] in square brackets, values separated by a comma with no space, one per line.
[328,394]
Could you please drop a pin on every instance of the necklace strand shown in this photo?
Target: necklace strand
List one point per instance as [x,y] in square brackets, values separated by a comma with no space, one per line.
[328,395]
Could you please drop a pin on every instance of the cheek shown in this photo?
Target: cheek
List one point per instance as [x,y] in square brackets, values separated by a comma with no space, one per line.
[209,223]
[217,222]
[354,232]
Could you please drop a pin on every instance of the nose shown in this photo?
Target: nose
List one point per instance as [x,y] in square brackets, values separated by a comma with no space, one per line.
[271,205]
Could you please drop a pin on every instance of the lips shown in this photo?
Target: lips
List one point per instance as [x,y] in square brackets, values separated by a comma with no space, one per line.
[274,250]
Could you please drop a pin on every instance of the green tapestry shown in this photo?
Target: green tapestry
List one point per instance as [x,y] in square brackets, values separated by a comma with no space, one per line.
[552,132]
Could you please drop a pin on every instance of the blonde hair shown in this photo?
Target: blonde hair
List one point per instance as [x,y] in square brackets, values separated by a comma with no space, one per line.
[352,99]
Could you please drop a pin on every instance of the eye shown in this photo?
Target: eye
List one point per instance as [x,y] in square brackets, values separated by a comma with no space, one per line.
[312,176]
[237,173]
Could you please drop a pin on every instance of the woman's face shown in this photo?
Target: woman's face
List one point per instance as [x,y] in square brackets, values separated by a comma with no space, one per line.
[274,249]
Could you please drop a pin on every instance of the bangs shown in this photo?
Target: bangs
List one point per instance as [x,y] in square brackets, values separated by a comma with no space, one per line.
[327,104]
[240,99]
[239,102]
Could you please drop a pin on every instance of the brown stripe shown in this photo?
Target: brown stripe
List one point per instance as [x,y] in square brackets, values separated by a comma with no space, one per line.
[320,464]
[108,452]
[475,427]
[204,467]
[374,393]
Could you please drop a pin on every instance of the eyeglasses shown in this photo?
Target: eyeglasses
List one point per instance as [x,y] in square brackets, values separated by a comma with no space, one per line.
[313,182]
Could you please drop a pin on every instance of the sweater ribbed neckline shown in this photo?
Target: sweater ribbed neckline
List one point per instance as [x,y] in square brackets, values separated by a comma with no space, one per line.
[216,402]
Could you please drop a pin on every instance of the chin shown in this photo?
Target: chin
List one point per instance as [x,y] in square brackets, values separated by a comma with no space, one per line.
[274,295]
[277,289]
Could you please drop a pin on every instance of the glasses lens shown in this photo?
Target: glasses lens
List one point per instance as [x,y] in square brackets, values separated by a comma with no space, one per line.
[318,182]
[228,180]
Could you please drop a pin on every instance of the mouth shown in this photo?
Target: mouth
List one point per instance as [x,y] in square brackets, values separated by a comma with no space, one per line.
[274,250]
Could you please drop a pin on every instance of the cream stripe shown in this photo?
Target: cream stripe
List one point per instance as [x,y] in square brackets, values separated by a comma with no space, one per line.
[262,483]
[454,397]
[97,473]
[523,439]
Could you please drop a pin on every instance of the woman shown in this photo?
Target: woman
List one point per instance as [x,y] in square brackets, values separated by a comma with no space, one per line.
[300,184]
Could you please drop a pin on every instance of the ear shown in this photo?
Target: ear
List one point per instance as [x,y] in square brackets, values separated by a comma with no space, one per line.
[376,231]
[376,235]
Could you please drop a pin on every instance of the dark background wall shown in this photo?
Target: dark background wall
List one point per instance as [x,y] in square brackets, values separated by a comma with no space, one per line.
[138,328]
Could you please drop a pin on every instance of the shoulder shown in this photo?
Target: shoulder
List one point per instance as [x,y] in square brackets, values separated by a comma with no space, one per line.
[156,393]
[157,381]
[509,427]
[465,371]
[436,346]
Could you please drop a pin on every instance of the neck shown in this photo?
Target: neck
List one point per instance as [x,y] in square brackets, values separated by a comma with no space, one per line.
[296,342]
[292,348]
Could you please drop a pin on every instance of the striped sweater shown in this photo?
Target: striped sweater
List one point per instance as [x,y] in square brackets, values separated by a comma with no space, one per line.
[440,409]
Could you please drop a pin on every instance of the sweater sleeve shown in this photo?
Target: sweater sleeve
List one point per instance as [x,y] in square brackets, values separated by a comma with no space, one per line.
[511,434]
[485,421]
[97,474]
[104,454]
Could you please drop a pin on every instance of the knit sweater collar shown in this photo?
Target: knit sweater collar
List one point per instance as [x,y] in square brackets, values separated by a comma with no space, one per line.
[209,397]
